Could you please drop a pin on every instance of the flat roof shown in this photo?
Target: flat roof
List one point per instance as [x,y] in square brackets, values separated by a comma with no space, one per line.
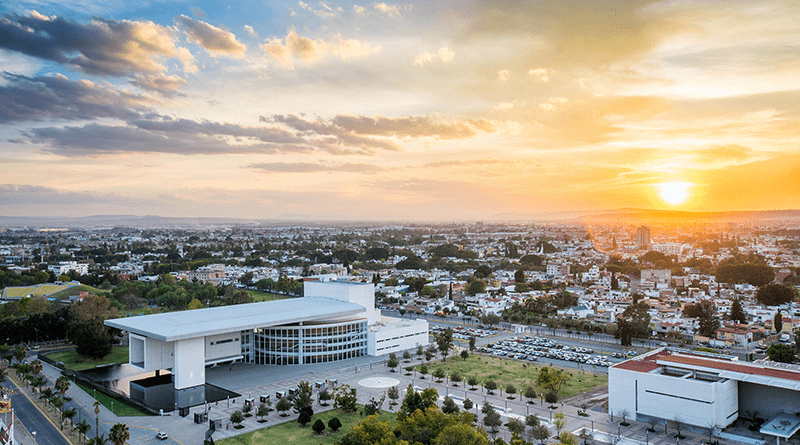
[172,326]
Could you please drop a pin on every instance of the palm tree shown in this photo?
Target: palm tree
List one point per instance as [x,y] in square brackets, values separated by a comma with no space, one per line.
[36,367]
[98,440]
[20,352]
[69,414]
[119,434]
[62,384]
[4,348]
[58,402]
[83,427]
[46,394]
[96,405]
[2,375]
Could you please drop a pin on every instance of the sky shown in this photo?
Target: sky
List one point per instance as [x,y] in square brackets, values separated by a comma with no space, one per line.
[431,111]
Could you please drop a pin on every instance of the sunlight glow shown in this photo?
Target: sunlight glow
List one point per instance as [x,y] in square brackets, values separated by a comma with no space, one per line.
[674,193]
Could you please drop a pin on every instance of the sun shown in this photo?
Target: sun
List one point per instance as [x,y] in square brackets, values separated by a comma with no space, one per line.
[674,193]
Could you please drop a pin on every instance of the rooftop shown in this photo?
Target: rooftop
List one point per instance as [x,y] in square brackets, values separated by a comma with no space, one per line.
[172,326]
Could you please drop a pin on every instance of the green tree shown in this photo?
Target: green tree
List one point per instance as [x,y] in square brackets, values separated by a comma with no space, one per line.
[83,427]
[559,422]
[511,390]
[302,397]
[392,363]
[530,393]
[393,393]
[515,426]
[372,431]
[552,379]
[263,411]
[119,434]
[415,400]
[472,381]
[69,414]
[318,426]
[519,276]
[777,322]
[334,424]
[20,353]
[755,274]
[304,418]
[406,356]
[237,417]
[540,433]
[490,319]
[781,353]
[344,397]
[775,294]
[491,418]
[461,434]
[737,312]
[62,385]
[423,369]
[464,354]
[194,304]
[634,322]
[490,386]
[444,342]
[283,405]
[705,312]
[468,404]
[475,287]
[472,343]
[449,406]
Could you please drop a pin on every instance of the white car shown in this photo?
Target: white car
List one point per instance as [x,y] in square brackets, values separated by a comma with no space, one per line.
[785,337]
[161,435]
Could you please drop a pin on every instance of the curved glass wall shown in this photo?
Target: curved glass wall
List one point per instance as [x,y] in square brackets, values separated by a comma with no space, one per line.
[295,344]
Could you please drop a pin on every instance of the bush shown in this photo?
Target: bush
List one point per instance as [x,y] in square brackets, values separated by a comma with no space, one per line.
[468,404]
[304,418]
[551,397]
[334,424]
[318,426]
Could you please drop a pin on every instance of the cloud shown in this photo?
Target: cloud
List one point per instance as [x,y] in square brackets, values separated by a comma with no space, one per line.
[324,11]
[540,73]
[360,10]
[166,135]
[312,167]
[166,85]
[412,126]
[250,30]
[503,75]
[297,48]
[104,47]
[504,106]
[56,97]
[389,10]
[444,54]
[216,40]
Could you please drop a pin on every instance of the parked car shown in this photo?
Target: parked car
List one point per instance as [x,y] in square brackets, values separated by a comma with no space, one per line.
[161,435]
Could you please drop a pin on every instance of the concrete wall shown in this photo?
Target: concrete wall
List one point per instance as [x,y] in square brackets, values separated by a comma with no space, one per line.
[190,363]
[768,401]
[136,350]
[158,354]
[223,346]
[390,339]
[361,293]
[695,402]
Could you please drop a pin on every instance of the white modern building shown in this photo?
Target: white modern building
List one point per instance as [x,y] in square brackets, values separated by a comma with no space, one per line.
[705,390]
[64,267]
[334,320]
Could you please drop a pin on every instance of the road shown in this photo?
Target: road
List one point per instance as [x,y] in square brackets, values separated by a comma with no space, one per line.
[33,419]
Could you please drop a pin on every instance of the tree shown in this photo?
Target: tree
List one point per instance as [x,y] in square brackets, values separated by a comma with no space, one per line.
[491,418]
[324,396]
[283,405]
[393,393]
[472,381]
[344,397]
[83,427]
[490,386]
[455,377]
[87,331]
[519,276]
[530,393]
[567,438]
[237,417]
[559,422]
[423,369]
[318,426]
[775,294]
[464,354]
[755,274]
[634,322]
[490,319]
[371,431]
[374,405]
[624,413]
[392,362]
[406,356]
[540,433]
[420,351]
[263,411]
[476,286]
[302,397]
[444,342]
[439,374]
[777,322]
[705,312]
[4,348]
[515,426]
[737,312]
[194,304]
[19,353]
[551,397]
[781,353]
[472,343]
[468,404]
[511,390]
[120,434]
[304,418]
[62,385]
[449,406]
[334,424]
[460,434]
[552,379]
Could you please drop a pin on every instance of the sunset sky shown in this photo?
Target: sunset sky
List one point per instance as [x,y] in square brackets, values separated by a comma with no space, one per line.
[457,110]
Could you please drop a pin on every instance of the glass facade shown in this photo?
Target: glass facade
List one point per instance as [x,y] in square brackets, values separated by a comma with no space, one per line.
[309,343]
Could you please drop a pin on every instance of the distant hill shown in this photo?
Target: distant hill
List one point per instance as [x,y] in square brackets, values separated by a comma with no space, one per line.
[610,216]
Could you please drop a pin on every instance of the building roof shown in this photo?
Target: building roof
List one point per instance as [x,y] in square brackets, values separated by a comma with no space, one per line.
[172,326]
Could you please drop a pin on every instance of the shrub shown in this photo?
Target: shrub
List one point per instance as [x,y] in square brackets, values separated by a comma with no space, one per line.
[334,424]
[318,426]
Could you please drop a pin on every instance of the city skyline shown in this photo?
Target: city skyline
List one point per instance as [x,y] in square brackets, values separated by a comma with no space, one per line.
[396,111]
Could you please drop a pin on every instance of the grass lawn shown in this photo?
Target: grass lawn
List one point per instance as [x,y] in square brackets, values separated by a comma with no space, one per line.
[72,360]
[76,290]
[266,296]
[293,433]
[120,407]
[505,371]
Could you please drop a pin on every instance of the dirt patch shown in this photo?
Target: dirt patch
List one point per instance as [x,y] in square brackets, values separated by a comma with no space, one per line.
[590,398]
